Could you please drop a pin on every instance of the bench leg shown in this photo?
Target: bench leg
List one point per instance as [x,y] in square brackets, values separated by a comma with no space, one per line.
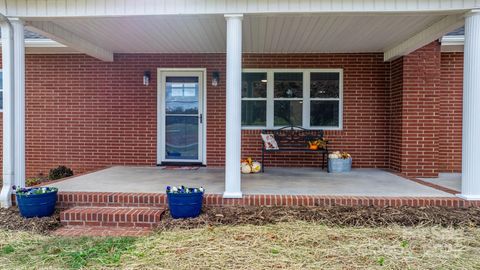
[263,164]
[328,170]
[323,161]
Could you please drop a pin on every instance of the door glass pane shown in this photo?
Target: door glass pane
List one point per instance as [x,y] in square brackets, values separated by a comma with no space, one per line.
[254,85]
[288,85]
[181,137]
[324,85]
[324,113]
[254,113]
[181,96]
[287,112]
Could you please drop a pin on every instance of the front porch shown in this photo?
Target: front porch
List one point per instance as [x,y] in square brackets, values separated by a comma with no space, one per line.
[380,104]
[275,181]
[144,187]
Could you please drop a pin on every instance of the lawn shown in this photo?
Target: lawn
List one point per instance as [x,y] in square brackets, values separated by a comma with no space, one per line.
[286,245]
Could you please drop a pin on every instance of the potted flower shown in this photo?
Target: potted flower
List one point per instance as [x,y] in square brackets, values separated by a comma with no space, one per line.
[36,202]
[339,162]
[185,202]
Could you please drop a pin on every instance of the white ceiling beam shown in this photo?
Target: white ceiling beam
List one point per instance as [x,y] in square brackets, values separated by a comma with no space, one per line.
[431,33]
[70,39]
[101,8]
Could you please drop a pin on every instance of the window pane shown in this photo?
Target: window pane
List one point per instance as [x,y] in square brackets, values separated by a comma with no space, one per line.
[288,85]
[254,85]
[254,113]
[324,85]
[181,137]
[287,112]
[324,113]
[181,95]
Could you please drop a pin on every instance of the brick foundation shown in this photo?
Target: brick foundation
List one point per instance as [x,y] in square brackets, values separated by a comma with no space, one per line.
[102,199]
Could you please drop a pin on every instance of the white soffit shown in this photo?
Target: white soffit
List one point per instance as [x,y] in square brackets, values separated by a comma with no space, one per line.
[261,33]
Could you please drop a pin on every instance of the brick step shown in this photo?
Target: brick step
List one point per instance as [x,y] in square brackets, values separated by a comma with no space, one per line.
[110,199]
[128,217]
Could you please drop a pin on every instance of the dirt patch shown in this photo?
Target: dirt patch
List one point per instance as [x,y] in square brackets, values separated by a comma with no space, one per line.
[10,219]
[365,216]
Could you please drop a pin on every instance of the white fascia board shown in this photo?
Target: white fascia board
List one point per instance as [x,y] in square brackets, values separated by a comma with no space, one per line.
[453,40]
[104,8]
[437,30]
[70,39]
[41,43]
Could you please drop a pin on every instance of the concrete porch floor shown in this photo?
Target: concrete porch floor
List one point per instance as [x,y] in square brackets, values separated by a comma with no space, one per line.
[275,181]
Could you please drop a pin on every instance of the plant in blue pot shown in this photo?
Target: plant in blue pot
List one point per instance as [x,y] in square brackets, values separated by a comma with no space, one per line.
[37,201]
[185,202]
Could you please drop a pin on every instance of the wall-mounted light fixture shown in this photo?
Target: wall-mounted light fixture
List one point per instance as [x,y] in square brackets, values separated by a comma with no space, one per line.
[146,78]
[215,78]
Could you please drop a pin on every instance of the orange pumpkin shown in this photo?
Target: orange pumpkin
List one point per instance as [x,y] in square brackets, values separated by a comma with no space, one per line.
[313,147]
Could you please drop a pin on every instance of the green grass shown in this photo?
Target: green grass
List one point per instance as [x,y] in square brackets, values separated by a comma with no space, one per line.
[24,250]
[293,245]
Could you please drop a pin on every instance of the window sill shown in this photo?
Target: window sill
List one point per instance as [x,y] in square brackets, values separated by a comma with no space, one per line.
[309,128]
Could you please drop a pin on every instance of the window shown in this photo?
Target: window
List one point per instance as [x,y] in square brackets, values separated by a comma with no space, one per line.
[1,90]
[254,99]
[308,98]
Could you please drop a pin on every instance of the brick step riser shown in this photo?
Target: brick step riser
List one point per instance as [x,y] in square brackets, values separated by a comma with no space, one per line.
[72,199]
[94,199]
[111,217]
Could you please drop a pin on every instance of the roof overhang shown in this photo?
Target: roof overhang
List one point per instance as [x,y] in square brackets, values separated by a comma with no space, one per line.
[103,8]
[103,28]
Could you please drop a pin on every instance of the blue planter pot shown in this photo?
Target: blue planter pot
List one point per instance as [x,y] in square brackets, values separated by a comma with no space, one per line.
[339,165]
[37,205]
[185,205]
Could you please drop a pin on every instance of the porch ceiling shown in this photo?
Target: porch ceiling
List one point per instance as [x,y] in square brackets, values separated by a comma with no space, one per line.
[280,33]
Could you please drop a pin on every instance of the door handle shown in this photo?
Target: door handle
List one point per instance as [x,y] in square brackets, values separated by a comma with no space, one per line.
[201,118]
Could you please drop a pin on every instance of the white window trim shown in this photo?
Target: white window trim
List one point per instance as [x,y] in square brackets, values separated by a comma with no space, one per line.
[306,97]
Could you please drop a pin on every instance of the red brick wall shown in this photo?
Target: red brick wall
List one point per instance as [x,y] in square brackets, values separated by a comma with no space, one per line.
[87,114]
[395,114]
[450,133]
[365,114]
[417,154]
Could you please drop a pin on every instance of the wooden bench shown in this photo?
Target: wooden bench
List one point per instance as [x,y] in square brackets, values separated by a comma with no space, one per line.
[295,139]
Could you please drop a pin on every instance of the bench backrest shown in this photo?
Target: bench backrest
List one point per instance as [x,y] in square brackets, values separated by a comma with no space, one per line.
[293,136]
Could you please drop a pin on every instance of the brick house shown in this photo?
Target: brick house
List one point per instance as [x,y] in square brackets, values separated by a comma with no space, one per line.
[92,85]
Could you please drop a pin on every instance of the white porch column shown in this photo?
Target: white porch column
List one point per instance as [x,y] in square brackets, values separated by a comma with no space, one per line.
[233,131]
[19,74]
[471,109]
[8,113]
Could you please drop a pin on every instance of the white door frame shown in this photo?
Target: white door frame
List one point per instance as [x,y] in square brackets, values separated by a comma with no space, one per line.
[161,73]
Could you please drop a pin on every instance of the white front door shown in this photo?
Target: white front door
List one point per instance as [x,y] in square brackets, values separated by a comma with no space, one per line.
[181,116]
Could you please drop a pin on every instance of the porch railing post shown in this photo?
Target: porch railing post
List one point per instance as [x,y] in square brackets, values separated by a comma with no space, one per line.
[233,131]
[471,109]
